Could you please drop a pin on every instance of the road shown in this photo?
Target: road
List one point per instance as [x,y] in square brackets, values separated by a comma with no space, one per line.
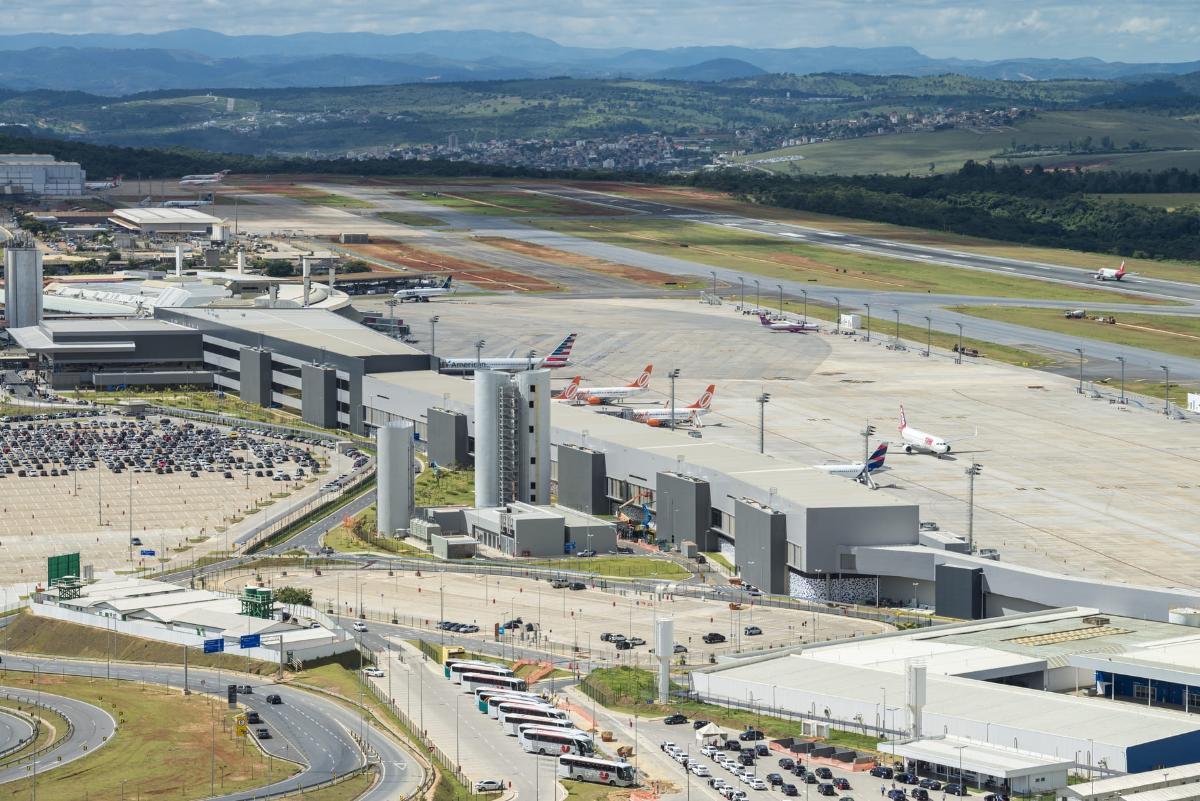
[15,731]
[306,727]
[93,727]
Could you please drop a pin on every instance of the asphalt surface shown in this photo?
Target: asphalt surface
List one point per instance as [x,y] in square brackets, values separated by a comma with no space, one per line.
[15,731]
[93,727]
[306,727]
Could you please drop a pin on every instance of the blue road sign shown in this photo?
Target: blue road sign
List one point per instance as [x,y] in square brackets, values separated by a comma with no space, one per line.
[147,552]
[249,641]
[214,646]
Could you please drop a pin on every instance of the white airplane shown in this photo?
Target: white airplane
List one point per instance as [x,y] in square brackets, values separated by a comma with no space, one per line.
[422,294]
[596,396]
[858,470]
[207,200]
[99,186]
[680,414]
[203,180]
[786,327]
[1109,274]
[919,441]
[570,391]
[559,357]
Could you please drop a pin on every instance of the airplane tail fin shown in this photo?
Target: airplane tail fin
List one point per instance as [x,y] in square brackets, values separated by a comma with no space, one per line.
[876,460]
[570,391]
[643,380]
[446,283]
[705,400]
[903,421]
[762,318]
[1121,269]
[560,356]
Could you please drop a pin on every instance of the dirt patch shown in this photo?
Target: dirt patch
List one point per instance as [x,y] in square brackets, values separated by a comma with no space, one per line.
[562,257]
[480,275]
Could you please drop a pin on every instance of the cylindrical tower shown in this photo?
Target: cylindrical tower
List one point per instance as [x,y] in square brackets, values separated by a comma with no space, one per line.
[664,647]
[23,286]
[395,493]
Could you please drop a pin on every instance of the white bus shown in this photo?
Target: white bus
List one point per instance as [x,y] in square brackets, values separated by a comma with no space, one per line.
[494,701]
[485,694]
[548,740]
[601,771]
[457,670]
[473,681]
[507,709]
[513,724]
[451,662]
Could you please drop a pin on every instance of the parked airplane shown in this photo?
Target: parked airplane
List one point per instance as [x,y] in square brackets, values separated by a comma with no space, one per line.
[559,357]
[203,180]
[1109,274]
[206,200]
[680,414]
[422,294]
[919,441]
[598,395]
[858,470]
[570,391]
[98,186]
[785,327]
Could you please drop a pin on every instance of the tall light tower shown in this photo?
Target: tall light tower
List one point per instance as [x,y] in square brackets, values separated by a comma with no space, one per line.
[868,305]
[1167,391]
[972,471]
[1121,359]
[433,321]
[673,375]
[479,345]
[763,399]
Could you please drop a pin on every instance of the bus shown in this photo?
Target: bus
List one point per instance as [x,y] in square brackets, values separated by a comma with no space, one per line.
[457,670]
[512,724]
[508,709]
[492,697]
[601,771]
[450,663]
[473,681]
[548,740]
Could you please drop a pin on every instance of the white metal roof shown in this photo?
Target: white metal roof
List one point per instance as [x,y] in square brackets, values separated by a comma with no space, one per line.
[991,760]
[1180,792]
[1136,783]
[316,328]
[892,653]
[149,216]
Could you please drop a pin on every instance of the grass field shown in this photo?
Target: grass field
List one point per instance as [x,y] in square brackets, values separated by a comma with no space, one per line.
[759,254]
[197,400]
[344,540]
[945,151]
[507,204]
[409,218]
[1167,200]
[721,559]
[632,566]
[447,488]
[37,635]
[157,729]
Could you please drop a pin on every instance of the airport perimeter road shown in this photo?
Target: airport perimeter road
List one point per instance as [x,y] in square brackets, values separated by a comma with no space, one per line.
[306,727]
[93,727]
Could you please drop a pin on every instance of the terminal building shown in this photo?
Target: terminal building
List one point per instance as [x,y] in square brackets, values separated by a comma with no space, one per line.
[39,174]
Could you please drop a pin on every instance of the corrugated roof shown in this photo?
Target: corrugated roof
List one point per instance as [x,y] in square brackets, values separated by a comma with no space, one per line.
[990,760]
[160,216]
[315,328]
[1136,782]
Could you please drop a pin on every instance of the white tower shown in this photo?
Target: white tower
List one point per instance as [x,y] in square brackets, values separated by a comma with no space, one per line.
[914,696]
[395,494]
[664,647]
[512,437]
[23,286]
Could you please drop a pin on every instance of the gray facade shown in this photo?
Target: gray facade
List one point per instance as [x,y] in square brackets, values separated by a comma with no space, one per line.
[318,390]
[761,554]
[446,440]
[683,511]
[958,592]
[581,480]
[22,286]
[255,383]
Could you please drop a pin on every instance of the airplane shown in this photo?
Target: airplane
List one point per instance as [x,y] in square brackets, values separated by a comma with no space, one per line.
[599,395]
[570,391]
[203,180]
[859,471]
[786,327]
[919,441]
[1109,274]
[680,414]
[422,294]
[559,357]
[207,200]
[97,186]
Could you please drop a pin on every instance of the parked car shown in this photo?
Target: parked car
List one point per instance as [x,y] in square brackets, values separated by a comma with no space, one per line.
[733,745]
[635,641]
[919,794]
[906,778]
[881,772]
[586,552]
[799,770]
[577,585]
[751,734]
[624,549]
[680,649]
[489,786]
[841,783]
[752,631]
[826,789]
[675,720]
[774,779]
[955,789]
[762,750]
[624,645]
[931,784]
[995,797]
[823,773]
[713,637]
[700,770]
[811,778]
[746,758]
[560,584]
[787,763]
[790,789]
[758,784]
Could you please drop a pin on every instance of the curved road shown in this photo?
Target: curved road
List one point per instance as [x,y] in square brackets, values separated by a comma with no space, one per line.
[15,731]
[93,728]
[306,727]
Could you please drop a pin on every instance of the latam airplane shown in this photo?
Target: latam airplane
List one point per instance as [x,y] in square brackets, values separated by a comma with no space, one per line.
[1109,274]
[207,200]
[918,441]
[422,294]
[858,470]
[596,396]
[559,357]
[787,327]
[203,180]
[99,186]
[680,414]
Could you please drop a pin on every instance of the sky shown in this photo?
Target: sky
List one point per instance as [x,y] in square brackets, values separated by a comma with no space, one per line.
[1114,30]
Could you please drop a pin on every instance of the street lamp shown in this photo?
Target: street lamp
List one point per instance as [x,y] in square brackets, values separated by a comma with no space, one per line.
[1167,392]
[714,275]
[928,335]
[762,401]
[742,283]
[958,357]
[433,321]
[868,305]
[780,300]
[1080,388]
[972,471]
[757,303]
[804,292]
[1121,359]
[671,417]
[897,311]
[838,301]
[479,343]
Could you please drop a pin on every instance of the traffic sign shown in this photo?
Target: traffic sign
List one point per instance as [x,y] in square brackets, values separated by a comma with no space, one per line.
[249,641]
[214,646]
[146,552]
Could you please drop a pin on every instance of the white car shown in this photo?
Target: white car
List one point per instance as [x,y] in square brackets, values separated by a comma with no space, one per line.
[358,625]
[489,786]
[709,750]
[700,770]
[758,784]
[681,757]
[747,778]
[373,672]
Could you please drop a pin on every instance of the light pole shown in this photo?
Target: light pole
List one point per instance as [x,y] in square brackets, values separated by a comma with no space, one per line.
[1167,392]
[838,329]
[714,275]
[673,375]
[972,471]
[928,335]
[757,302]
[391,303]
[958,356]
[804,292]
[1079,389]
[762,401]
[780,300]
[742,283]
[868,305]
[479,343]
[897,311]
[1121,359]
[433,321]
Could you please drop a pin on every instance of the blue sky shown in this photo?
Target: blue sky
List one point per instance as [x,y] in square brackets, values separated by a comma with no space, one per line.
[1167,30]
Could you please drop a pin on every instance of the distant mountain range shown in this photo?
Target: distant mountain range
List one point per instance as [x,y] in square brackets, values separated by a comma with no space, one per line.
[192,59]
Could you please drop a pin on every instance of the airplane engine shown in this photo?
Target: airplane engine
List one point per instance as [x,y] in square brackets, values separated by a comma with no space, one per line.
[654,423]
[595,401]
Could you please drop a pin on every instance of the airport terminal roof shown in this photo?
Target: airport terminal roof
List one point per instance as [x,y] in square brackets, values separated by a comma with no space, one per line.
[315,328]
[160,216]
[990,760]
[1135,783]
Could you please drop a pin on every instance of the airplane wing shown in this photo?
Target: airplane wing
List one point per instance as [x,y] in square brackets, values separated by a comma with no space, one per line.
[955,438]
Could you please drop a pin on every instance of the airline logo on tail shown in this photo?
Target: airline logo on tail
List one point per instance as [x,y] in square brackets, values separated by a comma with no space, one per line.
[560,357]
[705,400]
[570,391]
[1109,274]
[903,421]
[446,283]
[876,460]
[643,380]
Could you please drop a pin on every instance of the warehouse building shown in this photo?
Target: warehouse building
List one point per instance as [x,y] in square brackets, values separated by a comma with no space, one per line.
[1180,783]
[165,222]
[38,174]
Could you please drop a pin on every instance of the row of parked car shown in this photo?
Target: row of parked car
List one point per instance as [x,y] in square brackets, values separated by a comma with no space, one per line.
[743,768]
[461,628]
[923,786]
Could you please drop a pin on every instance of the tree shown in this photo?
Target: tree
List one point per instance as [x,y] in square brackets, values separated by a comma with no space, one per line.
[294,595]
[278,268]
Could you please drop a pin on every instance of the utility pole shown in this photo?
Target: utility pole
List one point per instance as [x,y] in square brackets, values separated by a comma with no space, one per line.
[1167,391]
[928,335]
[804,292]
[762,401]
[838,329]
[742,303]
[433,321]
[867,432]
[673,375]
[757,302]
[972,471]
[1121,359]
[897,311]
[868,305]
[780,300]
[714,275]
[958,356]
[1080,388]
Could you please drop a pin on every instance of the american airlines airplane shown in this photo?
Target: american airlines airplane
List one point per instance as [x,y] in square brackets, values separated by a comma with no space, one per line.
[786,327]
[559,357]
[422,294]
[918,441]
[857,470]
[1109,274]
[680,414]
[203,180]
[600,395]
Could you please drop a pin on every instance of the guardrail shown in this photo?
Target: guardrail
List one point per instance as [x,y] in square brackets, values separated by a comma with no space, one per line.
[38,753]
[34,722]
